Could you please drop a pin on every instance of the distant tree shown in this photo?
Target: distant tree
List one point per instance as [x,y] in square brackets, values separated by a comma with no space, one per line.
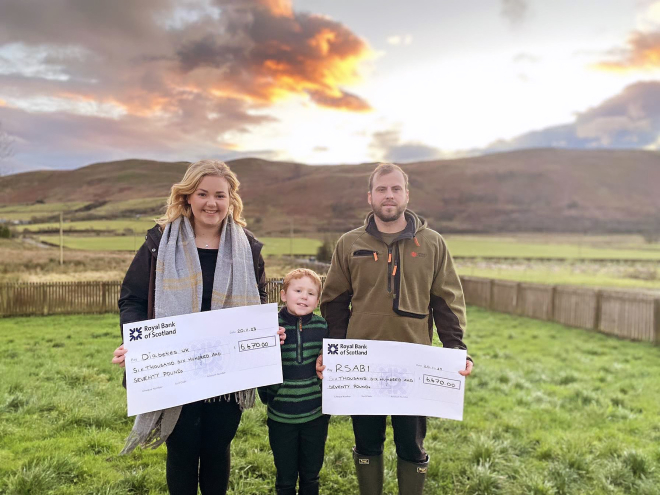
[6,150]
[325,250]
[5,231]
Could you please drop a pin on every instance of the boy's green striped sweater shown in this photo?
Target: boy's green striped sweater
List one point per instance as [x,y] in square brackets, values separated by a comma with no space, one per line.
[298,399]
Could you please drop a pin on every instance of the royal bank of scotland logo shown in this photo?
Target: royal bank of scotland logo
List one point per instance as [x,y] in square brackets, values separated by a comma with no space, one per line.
[333,348]
[135,334]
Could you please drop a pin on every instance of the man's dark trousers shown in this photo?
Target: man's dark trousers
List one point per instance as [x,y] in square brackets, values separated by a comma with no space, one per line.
[409,434]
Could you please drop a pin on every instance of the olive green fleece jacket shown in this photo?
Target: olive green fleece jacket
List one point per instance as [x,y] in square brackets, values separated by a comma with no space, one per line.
[378,292]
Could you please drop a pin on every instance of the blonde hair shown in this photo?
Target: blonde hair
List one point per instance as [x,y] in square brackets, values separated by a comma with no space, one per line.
[386,168]
[177,204]
[299,273]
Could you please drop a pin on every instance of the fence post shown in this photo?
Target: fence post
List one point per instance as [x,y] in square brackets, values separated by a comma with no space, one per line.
[44,299]
[597,309]
[551,306]
[656,320]
[517,298]
[490,294]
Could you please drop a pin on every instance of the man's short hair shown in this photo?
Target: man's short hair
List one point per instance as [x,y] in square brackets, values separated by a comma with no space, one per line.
[386,168]
[299,273]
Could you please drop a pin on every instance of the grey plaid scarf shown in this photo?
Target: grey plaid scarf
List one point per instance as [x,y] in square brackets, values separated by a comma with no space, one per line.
[179,292]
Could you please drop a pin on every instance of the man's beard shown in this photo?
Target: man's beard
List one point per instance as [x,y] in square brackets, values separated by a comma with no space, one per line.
[392,217]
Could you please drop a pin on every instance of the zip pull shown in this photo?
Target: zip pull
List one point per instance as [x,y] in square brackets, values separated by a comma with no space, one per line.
[375,256]
[416,241]
[394,271]
[300,324]
[389,258]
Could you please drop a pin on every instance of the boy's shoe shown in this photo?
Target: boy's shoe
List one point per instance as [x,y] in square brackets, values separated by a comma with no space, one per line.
[411,476]
[369,469]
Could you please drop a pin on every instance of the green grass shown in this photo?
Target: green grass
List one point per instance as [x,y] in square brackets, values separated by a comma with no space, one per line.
[27,212]
[112,209]
[138,226]
[41,208]
[549,410]
[282,245]
[569,247]
[98,243]
[129,205]
[272,245]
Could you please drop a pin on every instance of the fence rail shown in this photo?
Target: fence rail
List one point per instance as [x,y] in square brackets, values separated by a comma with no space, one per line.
[629,315]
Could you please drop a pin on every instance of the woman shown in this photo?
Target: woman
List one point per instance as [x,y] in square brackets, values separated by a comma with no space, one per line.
[198,257]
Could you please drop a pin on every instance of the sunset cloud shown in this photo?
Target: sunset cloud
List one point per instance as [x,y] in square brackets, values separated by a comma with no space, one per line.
[265,53]
[197,67]
[641,53]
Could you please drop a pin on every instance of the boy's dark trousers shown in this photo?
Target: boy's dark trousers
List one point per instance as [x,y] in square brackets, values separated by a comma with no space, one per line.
[409,433]
[298,450]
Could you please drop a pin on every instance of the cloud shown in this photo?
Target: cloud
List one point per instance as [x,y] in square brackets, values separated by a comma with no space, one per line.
[399,39]
[514,11]
[265,52]
[188,69]
[630,119]
[526,58]
[66,140]
[641,53]
[388,147]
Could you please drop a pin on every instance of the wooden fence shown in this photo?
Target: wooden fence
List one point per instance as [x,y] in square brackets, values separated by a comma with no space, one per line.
[51,298]
[630,315]
[627,314]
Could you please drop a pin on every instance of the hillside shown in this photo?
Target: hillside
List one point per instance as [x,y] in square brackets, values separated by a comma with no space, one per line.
[530,190]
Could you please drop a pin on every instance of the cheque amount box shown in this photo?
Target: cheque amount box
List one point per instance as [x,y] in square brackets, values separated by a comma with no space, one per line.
[258,343]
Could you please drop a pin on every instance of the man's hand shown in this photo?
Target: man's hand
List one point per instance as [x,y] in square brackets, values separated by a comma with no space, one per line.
[468,368]
[282,333]
[319,366]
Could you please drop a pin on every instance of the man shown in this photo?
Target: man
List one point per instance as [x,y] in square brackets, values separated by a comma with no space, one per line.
[389,280]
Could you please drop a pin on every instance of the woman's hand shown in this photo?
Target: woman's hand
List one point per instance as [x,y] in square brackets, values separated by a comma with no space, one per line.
[119,356]
[282,333]
[468,368]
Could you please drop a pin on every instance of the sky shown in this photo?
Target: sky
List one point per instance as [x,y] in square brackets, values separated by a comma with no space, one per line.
[323,81]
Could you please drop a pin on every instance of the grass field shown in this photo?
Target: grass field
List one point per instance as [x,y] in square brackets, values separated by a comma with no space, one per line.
[518,246]
[41,208]
[549,410]
[624,275]
[549,246]
[112,209]
[138,226]
[272,245]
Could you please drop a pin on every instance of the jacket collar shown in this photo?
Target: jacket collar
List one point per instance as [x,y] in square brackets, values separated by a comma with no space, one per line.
[293,319]
[407,233]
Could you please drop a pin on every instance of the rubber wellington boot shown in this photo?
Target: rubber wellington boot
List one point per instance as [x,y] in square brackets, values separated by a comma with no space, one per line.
[411,476]
[369,469]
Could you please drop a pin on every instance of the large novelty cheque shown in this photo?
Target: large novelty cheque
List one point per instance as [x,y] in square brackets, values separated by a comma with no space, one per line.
[182,359]
[392,378]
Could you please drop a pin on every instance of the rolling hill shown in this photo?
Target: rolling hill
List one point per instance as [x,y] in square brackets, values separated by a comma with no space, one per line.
[549,190]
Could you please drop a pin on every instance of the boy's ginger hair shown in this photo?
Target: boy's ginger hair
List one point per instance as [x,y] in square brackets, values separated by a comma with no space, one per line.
[299,273]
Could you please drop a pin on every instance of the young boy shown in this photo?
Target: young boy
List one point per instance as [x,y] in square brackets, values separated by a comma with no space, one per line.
[297,429]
